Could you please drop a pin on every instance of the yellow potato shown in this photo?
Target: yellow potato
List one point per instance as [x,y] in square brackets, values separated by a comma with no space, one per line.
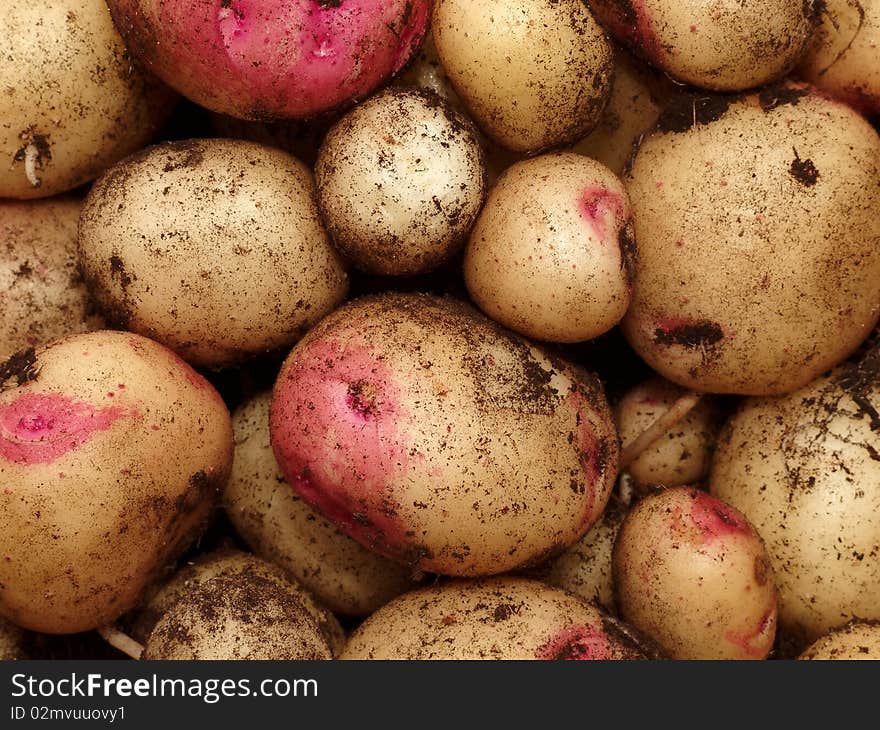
[857,640]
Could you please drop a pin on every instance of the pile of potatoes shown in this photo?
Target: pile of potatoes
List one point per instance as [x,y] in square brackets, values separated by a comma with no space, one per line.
[440,330]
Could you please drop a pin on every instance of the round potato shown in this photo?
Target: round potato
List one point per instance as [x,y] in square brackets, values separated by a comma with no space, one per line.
[278,525]
[692,573]
[12,642]
[805,470]
[42,296]
[499,618]
[213,247]
[112,455]
[858,640]
[441,441]
[552,255]
[72,100]
[758,240]
[533,76]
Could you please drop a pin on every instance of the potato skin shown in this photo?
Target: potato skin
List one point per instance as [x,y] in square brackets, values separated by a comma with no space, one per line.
[738,290]
[112,454]
[552,255]
[534,76]
[438,439]
[42,295]
[496,618]
[858,640]
[12,642]
[213,247]
[282,528]
[71,90]
[804,470]
[692,573]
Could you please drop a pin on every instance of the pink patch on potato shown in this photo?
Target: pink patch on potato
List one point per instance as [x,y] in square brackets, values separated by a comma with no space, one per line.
[756,642]
[602,208]
[578,643]
[38,428]
[594,454]
[715,519]
[634,28]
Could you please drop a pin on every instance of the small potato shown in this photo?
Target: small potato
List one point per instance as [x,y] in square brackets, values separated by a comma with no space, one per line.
[757,230]
[12,642]
[842,56]
[213,247]
[278,525]
[681,456]
[439,440]
[112,455]
[42,296]
[189,581]
[500,618]
[857,640]
[552,255]
[692,573]
[721,46]
[238,607]
[72,100]
[533,75]
[400,181]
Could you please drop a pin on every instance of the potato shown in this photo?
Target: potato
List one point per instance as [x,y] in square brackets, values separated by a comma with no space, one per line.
[73,101]
[239,607]
[279,526]
[533,76]
[213,247]
[498,618]
[721,46]
[552,255]
[856,640]
[12,642]
[400,181]
[805,470]
[189,581]
[681,456]
[441,441]
[42,296]
[758,240]
[273,59]
[112,453]
[842,56]
[692,573]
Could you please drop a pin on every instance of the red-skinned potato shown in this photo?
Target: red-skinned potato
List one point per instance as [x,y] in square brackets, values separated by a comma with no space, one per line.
[436,438]
[112,455]
[858,640]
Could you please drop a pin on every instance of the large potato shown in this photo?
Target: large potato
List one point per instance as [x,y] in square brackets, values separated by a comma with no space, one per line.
[42,295]
[112,453]
[805,470]
[213,247]
[438,439]
[72,100]
[499,618]
[759,240]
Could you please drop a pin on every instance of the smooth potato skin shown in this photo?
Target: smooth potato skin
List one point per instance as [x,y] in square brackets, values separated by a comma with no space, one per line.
[738,290]
[71,89]
[858,640]
[112,454]
[436,438]
[213,247]
[499,618]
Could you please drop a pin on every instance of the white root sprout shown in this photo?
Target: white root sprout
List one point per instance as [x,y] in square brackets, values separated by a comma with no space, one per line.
[121,641]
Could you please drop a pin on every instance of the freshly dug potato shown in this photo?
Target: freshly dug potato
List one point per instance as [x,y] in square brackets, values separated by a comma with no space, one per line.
[533,75]
[401,179]
[112,454]
[552,255]
[72,100]
[273,59]
[857,640]
[239,608]
[683,455]
[234,565]
[440,440]
[213,247]
[759,242]
[278,525]
[805,470]
[721,46]
[692,573]
[12,642]
[42,296]
[842,56]
[498,618]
